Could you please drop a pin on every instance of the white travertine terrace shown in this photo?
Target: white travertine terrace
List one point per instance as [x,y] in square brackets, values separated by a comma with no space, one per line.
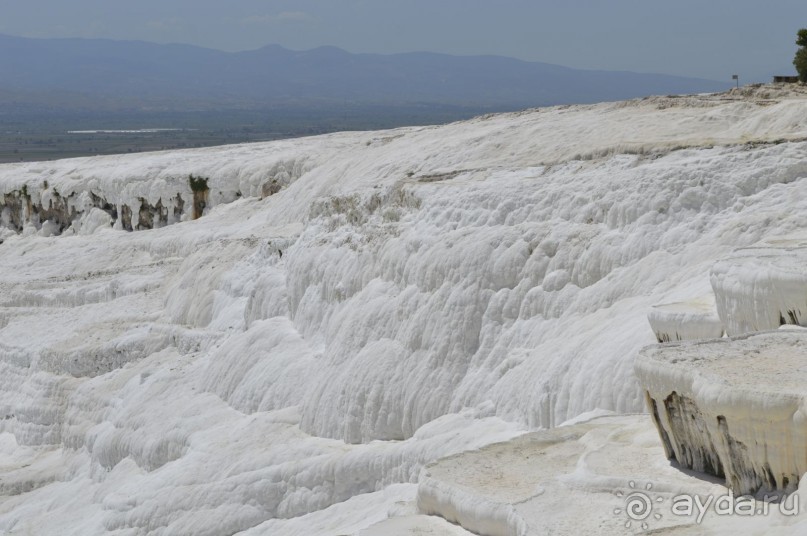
[764,286]
[686,320]
[733,408]
[586,471]
[370,303]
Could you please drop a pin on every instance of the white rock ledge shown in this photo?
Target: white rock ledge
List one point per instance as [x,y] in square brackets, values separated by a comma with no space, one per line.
[762,287]
[567,480]
[687,320]
[732,408]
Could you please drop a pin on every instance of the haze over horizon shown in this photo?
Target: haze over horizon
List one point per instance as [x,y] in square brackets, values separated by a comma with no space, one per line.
[706,40]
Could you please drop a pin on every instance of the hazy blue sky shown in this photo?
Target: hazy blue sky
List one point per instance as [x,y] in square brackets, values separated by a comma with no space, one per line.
[704,38]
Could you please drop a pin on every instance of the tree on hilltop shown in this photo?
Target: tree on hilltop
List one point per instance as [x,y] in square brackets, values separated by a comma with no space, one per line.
[800,61]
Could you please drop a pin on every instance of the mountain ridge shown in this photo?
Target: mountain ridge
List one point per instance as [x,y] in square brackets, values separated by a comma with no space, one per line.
[141,72]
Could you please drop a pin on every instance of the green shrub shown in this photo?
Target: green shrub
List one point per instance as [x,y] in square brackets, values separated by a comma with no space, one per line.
[800,61]
[198,184]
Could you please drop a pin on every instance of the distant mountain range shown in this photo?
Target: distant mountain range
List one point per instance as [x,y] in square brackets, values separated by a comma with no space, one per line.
[134,75]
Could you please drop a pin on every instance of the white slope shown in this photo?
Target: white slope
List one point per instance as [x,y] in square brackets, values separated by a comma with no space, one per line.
[276,365]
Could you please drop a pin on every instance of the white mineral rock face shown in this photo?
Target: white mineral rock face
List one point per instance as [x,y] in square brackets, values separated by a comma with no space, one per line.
[687,320]
[763,286]
[280,365]
[733,408]
[606,476]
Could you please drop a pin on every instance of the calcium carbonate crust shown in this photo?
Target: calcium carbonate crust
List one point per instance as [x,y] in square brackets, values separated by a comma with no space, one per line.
[370,302]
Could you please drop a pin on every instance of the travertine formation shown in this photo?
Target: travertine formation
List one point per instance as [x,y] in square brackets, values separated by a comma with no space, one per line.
[51,213]
[764,286]
[687,320]
[734,408]
[370,303]
[608,475]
